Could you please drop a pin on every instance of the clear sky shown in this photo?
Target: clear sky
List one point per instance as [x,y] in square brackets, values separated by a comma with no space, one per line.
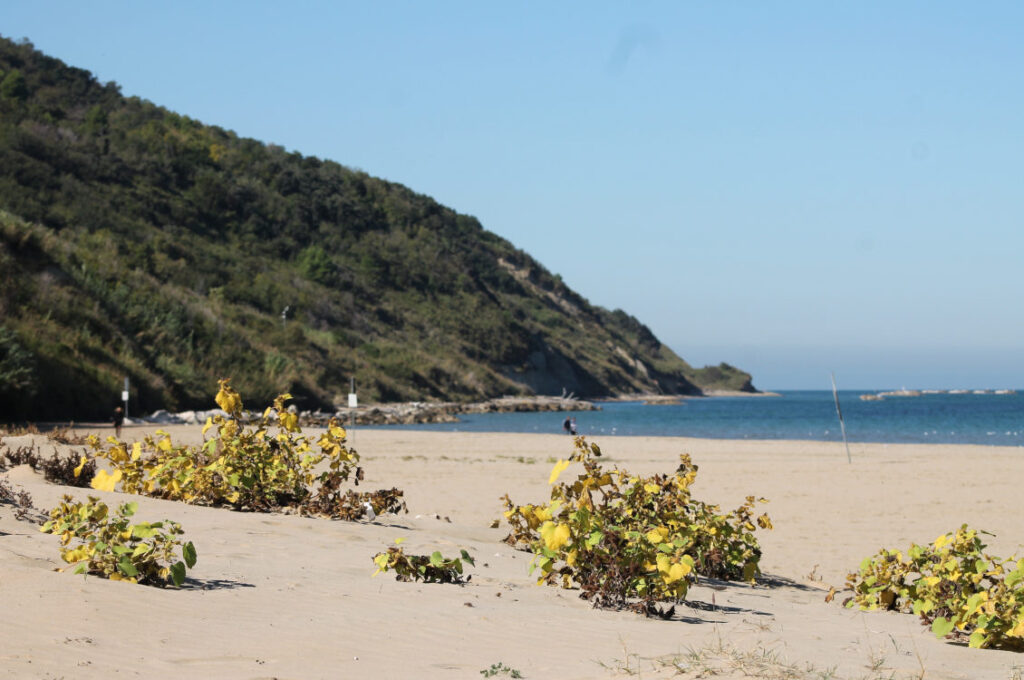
[794,188]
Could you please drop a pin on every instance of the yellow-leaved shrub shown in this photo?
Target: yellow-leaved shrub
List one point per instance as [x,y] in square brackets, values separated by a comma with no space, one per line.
[632,541]
[264,466]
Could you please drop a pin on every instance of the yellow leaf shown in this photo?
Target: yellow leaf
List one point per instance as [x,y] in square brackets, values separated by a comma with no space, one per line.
[136,451]
[941,540]
[228,399]
[400,541]
[676,572]
[658,535]
[1017,630]
[670,573]
[81,464]
[555,535]
[651,488]
[557,470]
[571,558]
[289,421]
[106,482]
[542,514]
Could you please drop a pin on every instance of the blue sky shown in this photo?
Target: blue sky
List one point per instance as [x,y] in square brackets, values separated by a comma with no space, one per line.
[794,188]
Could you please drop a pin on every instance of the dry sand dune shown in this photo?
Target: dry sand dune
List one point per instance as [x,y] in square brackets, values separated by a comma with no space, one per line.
[281,596]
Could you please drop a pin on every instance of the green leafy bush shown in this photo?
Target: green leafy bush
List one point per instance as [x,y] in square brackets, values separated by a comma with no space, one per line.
[430,569]
[955,587]
[110,546]
[621,537]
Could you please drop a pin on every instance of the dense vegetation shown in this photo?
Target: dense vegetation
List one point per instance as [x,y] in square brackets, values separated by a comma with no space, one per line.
[136,241]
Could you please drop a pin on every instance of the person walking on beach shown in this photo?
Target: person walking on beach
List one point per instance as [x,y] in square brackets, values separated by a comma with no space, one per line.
[567,425]
[572,427]
[118,420]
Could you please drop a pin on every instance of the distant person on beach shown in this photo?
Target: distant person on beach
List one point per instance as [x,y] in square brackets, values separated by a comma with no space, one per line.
[572,427]
[567,425]
[118,420]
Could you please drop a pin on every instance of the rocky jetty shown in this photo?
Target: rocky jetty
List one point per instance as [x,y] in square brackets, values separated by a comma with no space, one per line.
[394,414]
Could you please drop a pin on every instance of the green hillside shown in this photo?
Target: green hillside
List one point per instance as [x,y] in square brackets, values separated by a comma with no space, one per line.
[136,241]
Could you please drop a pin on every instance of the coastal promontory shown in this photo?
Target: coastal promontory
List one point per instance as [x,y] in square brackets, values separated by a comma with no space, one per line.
[139,242]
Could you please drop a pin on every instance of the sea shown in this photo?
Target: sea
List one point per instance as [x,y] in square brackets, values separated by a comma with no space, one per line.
[944,418]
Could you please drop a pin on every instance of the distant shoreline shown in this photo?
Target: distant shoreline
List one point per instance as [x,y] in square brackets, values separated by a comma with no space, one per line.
[674,398]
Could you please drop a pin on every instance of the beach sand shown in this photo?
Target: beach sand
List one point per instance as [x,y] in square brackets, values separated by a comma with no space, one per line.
[282,596]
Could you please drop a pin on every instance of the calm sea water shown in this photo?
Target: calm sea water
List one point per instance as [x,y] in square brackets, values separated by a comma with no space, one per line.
[992,419]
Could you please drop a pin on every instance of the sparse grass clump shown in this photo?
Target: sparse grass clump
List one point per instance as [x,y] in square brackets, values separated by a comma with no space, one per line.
[58,469]
[19,498]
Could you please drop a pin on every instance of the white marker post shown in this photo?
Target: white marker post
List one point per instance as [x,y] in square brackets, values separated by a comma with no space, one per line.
[124,396]
[353,404]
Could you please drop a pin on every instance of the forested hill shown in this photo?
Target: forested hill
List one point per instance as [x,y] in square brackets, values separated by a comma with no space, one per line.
[136,241]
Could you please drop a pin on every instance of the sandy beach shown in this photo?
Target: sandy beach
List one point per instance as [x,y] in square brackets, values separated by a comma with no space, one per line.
[283,596]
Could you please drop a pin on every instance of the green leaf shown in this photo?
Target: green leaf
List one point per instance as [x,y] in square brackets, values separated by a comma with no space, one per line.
[467,558]
[178,573]
[143,530]
[978,639]
[129,509]
[82,568]
[942,627]
[126,567]
[436,560]
[188,551]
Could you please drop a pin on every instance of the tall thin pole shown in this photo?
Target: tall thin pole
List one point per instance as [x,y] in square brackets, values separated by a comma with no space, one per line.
[839,412]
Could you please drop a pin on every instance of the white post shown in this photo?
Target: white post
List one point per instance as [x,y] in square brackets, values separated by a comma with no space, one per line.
[353,402]
[124,396]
